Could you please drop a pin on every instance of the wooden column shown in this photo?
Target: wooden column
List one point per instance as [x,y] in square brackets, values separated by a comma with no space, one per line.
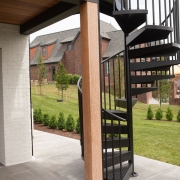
[91,90]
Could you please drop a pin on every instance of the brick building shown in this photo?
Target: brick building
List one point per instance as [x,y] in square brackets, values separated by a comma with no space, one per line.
[175,95]
[65,46]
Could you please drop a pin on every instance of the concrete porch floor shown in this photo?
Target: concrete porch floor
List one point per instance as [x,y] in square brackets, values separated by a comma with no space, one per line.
[58,158]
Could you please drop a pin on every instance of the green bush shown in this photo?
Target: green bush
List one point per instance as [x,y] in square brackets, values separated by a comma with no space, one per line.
[75,78]
[61,121]
[178,116]
[150,114]
[159,114]
[46,119]
[70,77]
[70,124]
[39,116]
[78,126]
[53,123]
[35,115]
[169,114]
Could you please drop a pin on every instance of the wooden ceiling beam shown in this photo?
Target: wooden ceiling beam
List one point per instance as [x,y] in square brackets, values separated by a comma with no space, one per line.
[48,17]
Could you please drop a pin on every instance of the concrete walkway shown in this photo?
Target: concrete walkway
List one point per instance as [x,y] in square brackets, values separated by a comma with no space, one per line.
[58,158]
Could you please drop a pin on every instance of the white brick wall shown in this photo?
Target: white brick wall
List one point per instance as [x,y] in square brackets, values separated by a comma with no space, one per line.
[15,123]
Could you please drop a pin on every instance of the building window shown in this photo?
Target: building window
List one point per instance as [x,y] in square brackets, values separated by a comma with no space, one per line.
[44,51]
[69,47]
[53,72]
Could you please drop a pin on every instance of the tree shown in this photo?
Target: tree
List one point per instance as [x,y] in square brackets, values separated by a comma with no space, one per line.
[150,113]
[41,72]
[178,116]
[159,114]
[164,91]
[62,79]
[169,114]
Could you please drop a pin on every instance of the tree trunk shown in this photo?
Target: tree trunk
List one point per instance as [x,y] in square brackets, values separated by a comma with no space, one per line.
[62,94]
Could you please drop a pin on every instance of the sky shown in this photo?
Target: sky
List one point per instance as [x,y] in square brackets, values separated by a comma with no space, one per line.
[70,23]
[74,21]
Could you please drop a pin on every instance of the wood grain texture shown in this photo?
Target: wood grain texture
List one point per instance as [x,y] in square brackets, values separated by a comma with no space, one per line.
[19,11]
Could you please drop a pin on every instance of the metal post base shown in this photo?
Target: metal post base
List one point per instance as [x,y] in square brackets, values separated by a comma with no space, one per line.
[134,174]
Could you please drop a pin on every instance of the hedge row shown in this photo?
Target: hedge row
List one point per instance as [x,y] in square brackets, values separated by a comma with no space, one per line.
[159,114]
[59,123]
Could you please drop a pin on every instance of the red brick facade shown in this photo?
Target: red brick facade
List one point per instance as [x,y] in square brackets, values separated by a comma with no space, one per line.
[71,59]
[175,95]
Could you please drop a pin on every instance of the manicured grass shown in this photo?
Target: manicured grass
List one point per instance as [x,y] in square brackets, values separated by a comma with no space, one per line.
[152,138]
[49,104]
[156,139]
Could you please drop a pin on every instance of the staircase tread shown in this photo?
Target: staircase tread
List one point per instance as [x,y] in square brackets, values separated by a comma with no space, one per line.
[148,78]
[127,19]
[153,64]
[148,33]
[155,51]
[142,90]
[130,12]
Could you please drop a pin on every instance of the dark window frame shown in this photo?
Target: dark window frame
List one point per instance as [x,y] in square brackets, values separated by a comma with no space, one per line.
[44,51]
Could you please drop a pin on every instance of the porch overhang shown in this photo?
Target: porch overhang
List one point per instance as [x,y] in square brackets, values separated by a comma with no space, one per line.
[35,15]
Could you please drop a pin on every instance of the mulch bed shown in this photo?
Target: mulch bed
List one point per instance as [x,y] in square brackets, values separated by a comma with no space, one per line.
[65,133]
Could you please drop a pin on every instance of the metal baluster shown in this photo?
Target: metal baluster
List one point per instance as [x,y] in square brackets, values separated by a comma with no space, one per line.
[119,64]
[109,81]
[153,12]
[114,83]
[170,19]
[146,14]
[137,4]
[129,4]
[104,76]
[159,12]
[165,13]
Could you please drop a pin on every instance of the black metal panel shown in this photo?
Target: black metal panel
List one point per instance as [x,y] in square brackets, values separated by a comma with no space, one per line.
[118,173]
[48,17]
[148,33]
[113,142]
[127,19]
[153,65]
[149,78]
[115,129]
[118,113]
[123,102]
[155,51]
[141,90]
[113,159]
[106,7]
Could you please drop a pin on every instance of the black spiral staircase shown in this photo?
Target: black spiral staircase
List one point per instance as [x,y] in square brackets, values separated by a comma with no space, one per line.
[149,55]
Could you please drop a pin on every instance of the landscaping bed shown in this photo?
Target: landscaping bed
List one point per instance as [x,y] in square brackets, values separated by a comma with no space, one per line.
[65,133]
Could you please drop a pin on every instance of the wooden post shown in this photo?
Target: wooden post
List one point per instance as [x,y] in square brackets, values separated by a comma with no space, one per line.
[89,16]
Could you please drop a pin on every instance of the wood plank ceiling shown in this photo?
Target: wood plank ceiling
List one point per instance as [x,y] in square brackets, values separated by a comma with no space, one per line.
[20,11]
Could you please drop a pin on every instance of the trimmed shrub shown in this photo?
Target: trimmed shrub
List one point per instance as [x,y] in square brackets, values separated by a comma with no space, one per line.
[70,77]
[78,126]
[75,78]
[46,119]
[178,116]
[70,124]
[39,116]
[35,115]
[61,121]
[169,114]
[159,114]
[53,123]
[150,114]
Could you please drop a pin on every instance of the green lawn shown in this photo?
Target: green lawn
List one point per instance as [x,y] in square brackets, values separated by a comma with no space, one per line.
[152,138]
